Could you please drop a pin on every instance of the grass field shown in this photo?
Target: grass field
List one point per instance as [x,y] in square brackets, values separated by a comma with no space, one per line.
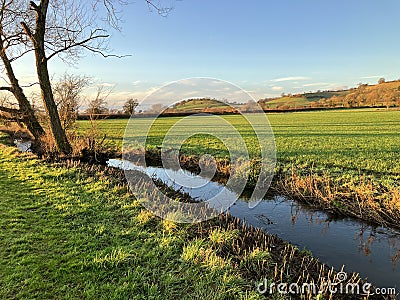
[356,141]
[67,232]
[302,100]
[351,154]
[66,235]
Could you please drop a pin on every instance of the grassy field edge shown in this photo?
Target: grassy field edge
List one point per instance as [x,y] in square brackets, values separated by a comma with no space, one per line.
[76,232]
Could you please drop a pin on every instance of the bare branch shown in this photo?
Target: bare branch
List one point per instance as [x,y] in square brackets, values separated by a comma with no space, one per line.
[6,88]
[82,43]
[27,30]
[34,6]
[94,50]
[11,111]
[30,85]
[163,11]
[14,58]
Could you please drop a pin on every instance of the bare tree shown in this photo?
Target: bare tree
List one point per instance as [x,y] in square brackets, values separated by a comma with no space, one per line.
[98,105]
[156,108]
[130,106]
[62,28]
[11,48]
[67,94]
[250,106]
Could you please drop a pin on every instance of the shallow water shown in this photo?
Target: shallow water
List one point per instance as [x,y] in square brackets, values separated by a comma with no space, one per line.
[23,146]
[370,251]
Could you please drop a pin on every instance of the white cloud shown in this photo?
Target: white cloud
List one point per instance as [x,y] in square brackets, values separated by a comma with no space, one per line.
[340,88]
[317,84]
[277,88]
[137,82]
[290,78]
[107,84]
[372,77]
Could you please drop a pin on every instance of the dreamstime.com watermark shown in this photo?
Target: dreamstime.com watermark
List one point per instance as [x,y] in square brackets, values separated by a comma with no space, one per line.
[338,287]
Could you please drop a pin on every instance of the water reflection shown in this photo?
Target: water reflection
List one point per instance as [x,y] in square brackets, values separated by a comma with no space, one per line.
[23,146]
[372,251]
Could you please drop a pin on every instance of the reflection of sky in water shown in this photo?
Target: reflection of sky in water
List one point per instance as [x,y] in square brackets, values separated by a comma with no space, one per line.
[23,146]
[370,251]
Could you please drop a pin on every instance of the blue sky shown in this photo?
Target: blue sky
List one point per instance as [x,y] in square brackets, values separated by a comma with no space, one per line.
[266,47]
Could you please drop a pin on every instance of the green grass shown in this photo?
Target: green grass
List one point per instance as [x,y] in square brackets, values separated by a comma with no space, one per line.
[302,100]
[342,160]
[67,235]
[199,104]
[355,141]
[288,101]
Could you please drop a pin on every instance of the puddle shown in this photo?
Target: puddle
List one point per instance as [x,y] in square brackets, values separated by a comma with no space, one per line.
[371,251]
[23,146]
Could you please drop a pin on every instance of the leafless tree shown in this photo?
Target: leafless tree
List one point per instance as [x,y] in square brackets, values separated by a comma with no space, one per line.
[67,94]
[11,48]
[250,106]
[63,28]
[98,105]
[156,108]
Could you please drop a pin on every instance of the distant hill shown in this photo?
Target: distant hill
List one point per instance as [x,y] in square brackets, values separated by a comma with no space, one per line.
[201,105]
[384,94]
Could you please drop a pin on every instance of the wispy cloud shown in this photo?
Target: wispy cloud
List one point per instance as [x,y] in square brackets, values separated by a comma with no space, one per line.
[137,82]
[316,84]
[277,88]
[107,84]
[372,77]
[290,78]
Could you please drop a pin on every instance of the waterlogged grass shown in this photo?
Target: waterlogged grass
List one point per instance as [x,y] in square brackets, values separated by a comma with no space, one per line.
[67,235]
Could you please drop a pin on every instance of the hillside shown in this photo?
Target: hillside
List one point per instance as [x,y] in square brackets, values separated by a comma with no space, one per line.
[385,94]
[200,105]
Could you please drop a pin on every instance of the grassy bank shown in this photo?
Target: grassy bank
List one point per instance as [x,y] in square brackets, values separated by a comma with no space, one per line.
[76,233]
[344,161]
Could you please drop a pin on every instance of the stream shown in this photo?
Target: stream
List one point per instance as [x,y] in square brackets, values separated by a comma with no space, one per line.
[371,251]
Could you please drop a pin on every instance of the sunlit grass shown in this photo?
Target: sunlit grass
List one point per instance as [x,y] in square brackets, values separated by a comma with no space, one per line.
[343,141]
[65,235]
[328,156]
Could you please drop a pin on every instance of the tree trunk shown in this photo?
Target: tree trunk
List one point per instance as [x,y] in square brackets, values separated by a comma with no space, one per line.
[51,108]
[25,108]
[37,39]
[28,114]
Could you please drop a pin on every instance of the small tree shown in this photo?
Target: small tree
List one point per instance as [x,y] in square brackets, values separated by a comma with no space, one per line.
[156,108]
[98,105]
[130,106]
[67,94]
[250,106]
[381,80]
